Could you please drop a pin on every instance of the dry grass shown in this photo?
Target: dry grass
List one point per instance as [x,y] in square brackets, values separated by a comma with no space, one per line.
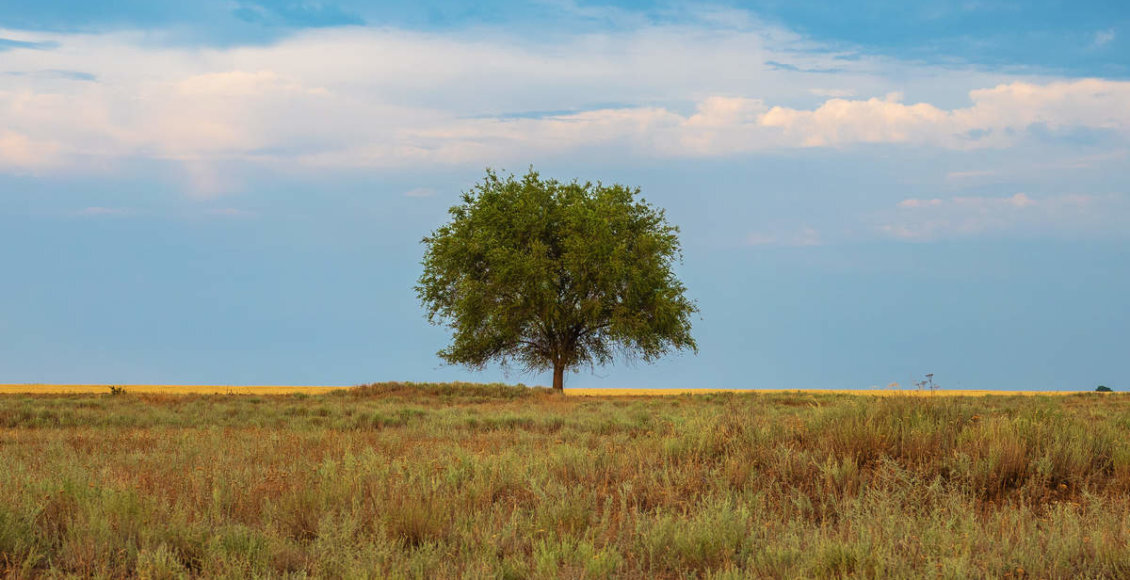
[46,389]
[864,392]
[37,388]
[447,481]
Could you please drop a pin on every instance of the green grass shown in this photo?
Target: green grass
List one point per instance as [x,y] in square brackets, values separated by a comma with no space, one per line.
[490,481]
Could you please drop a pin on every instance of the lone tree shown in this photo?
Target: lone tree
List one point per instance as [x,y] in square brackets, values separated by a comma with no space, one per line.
[550,275]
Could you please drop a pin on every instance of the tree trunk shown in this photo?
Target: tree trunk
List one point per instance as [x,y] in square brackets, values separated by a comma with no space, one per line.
[559,378]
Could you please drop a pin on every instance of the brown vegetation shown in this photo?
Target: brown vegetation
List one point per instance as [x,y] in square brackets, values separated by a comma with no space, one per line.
[399,480]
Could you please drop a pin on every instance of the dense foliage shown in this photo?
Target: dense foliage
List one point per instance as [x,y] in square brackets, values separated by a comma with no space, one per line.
[553,275]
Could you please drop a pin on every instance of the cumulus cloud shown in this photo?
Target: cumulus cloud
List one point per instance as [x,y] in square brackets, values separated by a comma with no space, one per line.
[717,126]
[842,121]
[999,116]
[18,151]
[365,97]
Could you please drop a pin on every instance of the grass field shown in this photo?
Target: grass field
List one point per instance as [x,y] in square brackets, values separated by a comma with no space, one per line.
[492,481]
[861,392]
[44,389]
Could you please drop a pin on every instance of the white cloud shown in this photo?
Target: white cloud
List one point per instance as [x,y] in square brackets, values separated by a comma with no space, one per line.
[17,151]
[1035,170]
[842,121]
[998,116]
[204,179]
[920,203]
[961,217]
[420,192]
[833,93]
[1103,38]
[1092,103]
[388,98]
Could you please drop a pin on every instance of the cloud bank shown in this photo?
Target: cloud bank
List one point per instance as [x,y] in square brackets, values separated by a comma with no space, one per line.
[378,98]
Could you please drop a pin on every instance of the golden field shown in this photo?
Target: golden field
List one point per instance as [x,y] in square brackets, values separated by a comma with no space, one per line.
[870,392]
[45,389]
[400,480]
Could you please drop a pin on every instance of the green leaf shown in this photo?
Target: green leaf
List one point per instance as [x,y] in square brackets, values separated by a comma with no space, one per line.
[552,275]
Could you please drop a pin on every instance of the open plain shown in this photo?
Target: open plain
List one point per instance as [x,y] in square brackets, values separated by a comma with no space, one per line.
[491,481]
[47,389]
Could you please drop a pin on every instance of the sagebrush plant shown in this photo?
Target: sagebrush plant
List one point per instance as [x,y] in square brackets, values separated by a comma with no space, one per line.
[453,481]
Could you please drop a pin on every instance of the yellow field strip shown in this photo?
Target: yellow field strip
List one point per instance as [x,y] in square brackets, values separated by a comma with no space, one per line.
[43,389]
[40,389]
[868,392]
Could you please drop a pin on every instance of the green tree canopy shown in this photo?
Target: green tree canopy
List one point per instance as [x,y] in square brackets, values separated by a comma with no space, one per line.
[550,275]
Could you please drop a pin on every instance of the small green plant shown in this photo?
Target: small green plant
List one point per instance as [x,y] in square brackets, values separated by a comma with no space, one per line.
[116,390]
[1103,389]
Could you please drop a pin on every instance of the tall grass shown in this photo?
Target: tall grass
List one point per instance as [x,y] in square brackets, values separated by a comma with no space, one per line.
[401,480]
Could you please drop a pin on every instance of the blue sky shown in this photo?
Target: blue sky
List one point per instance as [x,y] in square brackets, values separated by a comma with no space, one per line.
[234,192]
